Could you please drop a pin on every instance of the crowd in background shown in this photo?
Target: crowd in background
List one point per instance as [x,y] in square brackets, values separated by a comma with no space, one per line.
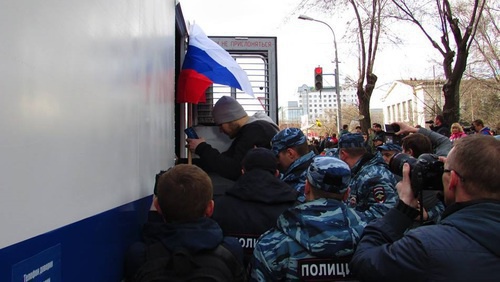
[376,136]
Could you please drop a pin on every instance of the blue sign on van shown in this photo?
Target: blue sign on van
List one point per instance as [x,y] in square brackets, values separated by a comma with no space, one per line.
[42,267]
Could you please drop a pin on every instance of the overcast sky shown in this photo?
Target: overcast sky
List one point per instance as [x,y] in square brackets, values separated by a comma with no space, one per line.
[303,45]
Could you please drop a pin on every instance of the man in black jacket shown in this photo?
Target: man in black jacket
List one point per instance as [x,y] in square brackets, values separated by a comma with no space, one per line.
[256,200]
[246,132]
[439,126]
[181,219]
[463,246]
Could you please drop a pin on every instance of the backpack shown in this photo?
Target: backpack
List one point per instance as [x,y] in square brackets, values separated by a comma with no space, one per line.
[162,265]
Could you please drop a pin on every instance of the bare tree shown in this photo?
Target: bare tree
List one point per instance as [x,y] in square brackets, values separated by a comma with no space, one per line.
[369,15]
[485,67]
[329,125]
[480,92]
[456,38]
[480,101]
[368,26]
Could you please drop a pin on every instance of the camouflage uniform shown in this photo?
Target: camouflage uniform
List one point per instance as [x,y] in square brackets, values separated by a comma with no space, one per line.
[295,174]
[320,234]
[372,187]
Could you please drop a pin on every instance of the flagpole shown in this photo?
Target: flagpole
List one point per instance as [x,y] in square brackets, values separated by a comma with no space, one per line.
[190,123]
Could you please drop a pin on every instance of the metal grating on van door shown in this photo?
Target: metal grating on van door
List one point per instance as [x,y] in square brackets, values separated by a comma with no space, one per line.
[260,66]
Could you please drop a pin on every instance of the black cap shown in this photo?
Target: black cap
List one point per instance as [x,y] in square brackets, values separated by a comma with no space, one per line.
[260,158]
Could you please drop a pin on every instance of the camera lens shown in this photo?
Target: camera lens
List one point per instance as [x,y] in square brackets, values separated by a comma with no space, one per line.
[397,161]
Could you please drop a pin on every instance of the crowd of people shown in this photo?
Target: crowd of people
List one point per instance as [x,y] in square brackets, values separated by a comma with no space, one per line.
[336,212]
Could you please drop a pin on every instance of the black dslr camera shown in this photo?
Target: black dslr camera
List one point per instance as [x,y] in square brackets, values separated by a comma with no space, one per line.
[469,129]
[425,172]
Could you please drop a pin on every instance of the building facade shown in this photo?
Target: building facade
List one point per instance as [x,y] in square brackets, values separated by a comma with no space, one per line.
[322,105]
[412,101]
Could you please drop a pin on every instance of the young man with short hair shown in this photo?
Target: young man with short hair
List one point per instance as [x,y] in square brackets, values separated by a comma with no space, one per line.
[440,126]
[479,127]
[345,129]
[377,128]
[181,219]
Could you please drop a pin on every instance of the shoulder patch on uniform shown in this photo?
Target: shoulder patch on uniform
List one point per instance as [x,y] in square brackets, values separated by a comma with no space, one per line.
[379,194]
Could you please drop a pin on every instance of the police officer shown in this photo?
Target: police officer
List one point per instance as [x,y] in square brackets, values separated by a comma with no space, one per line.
[388,151]
[294,156]
[372,183]
[314,235]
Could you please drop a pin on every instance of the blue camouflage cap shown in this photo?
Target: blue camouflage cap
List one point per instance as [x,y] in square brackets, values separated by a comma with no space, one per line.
[329,174]
[390,147]
[351,140]
[286,138]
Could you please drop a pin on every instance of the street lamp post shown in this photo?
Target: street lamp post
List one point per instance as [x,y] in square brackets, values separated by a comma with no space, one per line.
[307,113]
[337,86]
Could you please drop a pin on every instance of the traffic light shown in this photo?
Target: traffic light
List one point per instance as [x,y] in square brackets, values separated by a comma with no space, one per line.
[318,78]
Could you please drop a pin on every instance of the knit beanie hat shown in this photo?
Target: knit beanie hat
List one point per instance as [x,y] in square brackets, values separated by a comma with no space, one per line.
[227,109]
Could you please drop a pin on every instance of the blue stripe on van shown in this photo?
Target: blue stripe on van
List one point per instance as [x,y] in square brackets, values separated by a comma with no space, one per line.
[91,249]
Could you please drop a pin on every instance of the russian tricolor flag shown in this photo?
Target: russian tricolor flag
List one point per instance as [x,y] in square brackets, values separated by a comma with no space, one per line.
[206,63]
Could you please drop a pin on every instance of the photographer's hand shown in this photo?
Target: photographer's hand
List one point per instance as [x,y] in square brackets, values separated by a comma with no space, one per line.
[425,214]
[404,189]
[405,128]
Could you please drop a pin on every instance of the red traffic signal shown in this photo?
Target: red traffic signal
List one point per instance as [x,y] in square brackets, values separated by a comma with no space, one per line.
[318,78]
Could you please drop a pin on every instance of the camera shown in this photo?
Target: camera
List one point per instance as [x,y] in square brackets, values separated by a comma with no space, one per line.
[390,130]
[469,130]
[425,171]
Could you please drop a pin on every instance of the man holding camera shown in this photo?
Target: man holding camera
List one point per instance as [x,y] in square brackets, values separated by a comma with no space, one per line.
[438,125]
[463,246]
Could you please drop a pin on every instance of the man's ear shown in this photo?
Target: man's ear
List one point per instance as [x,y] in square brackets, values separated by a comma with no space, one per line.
[346,194]
[342,154]
[409,152]
[453,181]
[277,173]
[210,208]
[292,154]
[307,187]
